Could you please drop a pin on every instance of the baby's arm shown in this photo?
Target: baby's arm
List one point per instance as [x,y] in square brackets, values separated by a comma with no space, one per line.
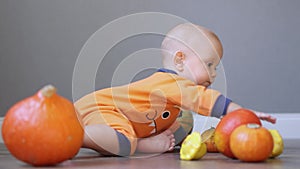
[263,116]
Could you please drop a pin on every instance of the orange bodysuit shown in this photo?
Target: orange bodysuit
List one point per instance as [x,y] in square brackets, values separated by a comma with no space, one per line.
[149,106]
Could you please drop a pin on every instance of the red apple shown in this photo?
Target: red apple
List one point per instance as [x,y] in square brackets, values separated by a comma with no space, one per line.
[226,126]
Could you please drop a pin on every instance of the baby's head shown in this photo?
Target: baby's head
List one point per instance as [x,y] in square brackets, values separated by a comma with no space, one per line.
[193,52]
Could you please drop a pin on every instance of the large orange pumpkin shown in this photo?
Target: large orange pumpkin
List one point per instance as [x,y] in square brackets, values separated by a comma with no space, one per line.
[227,124]
[251,143]
[42,129]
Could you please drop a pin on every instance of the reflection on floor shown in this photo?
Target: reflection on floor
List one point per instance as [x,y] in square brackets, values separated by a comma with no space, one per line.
[89,159]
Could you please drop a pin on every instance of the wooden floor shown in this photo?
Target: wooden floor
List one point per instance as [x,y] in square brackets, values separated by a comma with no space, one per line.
[290,159]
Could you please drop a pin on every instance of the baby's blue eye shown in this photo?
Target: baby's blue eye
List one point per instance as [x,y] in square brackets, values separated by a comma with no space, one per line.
[210,65]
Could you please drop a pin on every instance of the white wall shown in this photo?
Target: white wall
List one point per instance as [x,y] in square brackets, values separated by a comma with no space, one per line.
[40,42]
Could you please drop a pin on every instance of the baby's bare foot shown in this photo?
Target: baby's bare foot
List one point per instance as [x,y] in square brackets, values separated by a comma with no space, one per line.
[160,143]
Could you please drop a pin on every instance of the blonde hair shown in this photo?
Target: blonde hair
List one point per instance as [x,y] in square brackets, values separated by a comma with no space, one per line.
[183,35]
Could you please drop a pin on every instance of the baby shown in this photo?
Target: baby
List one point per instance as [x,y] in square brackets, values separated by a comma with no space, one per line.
[143,116]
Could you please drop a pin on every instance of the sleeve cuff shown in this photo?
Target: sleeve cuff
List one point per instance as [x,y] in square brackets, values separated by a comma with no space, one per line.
[220,107]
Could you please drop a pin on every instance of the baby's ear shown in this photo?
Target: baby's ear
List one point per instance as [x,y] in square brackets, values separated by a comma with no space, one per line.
[178,60]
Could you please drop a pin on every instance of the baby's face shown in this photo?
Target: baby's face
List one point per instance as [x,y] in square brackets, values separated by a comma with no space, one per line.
[197,53]
[202,70]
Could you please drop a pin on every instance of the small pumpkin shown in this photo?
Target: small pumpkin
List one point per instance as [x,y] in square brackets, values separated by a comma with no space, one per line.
[251,143]
[227,124]
[210,142]
[43,129]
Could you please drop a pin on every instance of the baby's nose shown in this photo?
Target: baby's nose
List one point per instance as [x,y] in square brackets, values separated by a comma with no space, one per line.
[213,74]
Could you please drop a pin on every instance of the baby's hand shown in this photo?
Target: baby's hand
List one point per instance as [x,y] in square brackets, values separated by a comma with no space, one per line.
[266,117]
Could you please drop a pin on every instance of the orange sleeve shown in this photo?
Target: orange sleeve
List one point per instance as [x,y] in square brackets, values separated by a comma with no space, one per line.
[202,100]
[185,93]
[196,98]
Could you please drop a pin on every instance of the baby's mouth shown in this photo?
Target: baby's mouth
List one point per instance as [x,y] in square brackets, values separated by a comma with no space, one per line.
[206,84]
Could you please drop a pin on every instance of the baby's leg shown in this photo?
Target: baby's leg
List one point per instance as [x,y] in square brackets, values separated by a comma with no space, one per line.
[160,143]
[168,139]
[105,140]
[182,126]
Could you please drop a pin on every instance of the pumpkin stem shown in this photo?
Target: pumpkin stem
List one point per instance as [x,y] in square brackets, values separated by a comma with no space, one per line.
[48,91]
[253,126]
